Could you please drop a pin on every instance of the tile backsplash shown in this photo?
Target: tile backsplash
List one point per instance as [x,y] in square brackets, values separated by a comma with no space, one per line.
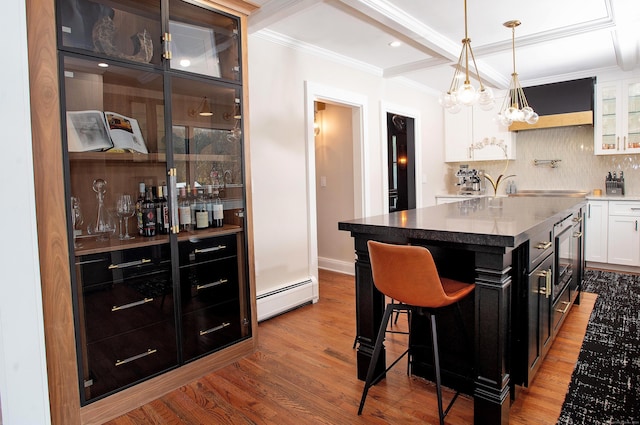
[578,169]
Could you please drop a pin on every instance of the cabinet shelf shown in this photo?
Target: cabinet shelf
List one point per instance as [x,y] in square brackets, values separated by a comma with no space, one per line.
[88,244]
[146,158]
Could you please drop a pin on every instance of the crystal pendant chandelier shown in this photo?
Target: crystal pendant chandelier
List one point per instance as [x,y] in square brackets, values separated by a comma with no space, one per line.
[515,106]
[466,94]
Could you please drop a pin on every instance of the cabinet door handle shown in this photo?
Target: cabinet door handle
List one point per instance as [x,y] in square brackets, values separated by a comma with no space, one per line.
[217,328]
[136,357]
[133,304]
[544,245]
[577,219]
[548,277]
[589,210]
[209,285]
[566,307]
[129,264]
[213,248]
[577,234]
[625,143]
[618,143]
[635,209]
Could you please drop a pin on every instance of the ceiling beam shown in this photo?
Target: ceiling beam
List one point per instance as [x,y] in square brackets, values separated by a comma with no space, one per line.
[276,10]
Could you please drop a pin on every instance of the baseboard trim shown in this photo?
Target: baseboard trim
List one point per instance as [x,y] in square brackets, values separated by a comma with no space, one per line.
[345,267]
[286,298]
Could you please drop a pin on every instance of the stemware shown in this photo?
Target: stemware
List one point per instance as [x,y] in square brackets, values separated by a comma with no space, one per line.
[125,209]
[77,219]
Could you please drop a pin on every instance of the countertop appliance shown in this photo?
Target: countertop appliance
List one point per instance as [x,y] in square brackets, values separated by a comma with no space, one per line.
[470,181]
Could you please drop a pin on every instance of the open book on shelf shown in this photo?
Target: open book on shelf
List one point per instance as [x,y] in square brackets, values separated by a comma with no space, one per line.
[97,130]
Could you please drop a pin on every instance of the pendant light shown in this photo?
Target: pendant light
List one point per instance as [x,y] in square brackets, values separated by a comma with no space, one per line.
[515,106]
[466,94]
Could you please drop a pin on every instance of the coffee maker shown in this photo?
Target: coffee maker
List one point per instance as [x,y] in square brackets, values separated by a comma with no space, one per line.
[470,181]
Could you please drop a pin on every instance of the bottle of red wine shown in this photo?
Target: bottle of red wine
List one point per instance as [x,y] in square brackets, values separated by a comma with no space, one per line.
[139,203]
[148,214]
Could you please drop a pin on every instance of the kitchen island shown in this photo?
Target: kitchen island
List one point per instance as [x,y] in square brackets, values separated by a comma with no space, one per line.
[504,246]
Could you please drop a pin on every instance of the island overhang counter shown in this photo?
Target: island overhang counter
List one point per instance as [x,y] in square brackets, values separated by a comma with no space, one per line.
[494,243]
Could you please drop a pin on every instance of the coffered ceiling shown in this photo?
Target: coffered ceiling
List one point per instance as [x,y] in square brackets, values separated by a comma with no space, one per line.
[558,40]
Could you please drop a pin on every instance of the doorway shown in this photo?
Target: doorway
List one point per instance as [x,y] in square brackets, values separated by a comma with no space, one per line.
[401,162]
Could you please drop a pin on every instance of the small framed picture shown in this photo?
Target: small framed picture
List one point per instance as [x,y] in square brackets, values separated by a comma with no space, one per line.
[193,49]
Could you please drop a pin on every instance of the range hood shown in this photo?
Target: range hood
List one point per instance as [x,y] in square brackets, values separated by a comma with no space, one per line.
[562,104]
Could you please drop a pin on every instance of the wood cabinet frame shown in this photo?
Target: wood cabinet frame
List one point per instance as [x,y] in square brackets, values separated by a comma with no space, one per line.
[52,235]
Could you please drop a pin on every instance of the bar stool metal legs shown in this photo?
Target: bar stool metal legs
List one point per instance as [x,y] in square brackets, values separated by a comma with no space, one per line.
[377,349]
[370,380]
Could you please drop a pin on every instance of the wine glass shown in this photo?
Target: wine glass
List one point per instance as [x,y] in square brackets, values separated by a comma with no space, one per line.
[76,219]
[125,208]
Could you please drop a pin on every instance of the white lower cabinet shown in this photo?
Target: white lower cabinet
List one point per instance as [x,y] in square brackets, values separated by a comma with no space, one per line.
[612,232]
[596,225]
[624,236]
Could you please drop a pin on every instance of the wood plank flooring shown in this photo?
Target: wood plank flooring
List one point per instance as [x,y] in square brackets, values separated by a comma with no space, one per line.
[304,372]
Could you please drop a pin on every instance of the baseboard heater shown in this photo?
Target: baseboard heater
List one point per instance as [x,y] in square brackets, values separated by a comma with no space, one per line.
[282,300]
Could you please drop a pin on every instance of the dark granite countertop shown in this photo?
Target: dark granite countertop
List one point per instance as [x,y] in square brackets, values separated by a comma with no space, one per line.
[501,222]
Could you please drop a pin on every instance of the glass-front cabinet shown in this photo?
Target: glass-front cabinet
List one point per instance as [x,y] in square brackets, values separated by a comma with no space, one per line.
[152,99]
[617,117]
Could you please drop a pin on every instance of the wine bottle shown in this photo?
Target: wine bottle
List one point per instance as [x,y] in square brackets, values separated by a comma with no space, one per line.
[209,202]
[202,217]
[184,211]
[166,223]
[139,203]
[148,214]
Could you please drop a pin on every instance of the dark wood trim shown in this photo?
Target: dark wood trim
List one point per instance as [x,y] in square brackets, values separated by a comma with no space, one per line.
[53,247]
[50,213]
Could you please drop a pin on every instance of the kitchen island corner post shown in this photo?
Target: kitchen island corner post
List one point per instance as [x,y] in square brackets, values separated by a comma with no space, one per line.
[492,337]
[370,306]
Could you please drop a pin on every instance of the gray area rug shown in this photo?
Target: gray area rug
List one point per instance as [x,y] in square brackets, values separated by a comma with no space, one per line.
[605,385]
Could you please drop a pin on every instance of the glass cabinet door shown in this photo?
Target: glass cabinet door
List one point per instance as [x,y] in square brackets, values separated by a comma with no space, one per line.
[203,41]
[609,117]
[633,116]
[118,29]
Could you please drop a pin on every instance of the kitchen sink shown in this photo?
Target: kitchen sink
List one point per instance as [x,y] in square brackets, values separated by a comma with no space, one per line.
[558,193]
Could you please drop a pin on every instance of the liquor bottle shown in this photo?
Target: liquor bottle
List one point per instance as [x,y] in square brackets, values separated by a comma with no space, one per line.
[218,213]
[209,201]
[166,222]
[148,214]
[202,217]
[184,211]
[139,203]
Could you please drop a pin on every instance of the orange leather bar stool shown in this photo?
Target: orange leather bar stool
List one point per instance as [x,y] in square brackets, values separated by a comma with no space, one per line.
[407,274]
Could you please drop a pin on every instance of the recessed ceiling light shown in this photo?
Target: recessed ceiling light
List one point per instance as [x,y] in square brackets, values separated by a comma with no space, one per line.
[395,43]
[103,65]
[185,63]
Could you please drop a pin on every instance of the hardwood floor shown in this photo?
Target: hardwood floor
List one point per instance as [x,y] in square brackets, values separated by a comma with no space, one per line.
[304,373]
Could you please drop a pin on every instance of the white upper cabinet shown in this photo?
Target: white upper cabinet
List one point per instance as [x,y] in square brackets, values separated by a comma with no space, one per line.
[617,117]
[472,125]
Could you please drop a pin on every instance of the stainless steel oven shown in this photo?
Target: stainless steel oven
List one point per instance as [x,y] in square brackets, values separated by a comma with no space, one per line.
[566,234]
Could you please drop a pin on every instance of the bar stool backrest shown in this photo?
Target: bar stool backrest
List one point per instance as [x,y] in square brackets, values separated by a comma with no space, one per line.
[408,274]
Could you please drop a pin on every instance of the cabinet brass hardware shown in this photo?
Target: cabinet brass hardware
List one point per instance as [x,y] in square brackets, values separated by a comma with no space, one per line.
[217,328]
[136,357]
[166,54]
[213,248]
[548,275]
[567,306]
[544,245]
[577,219]
[577,234]
[209,285]
[129,264]
[133,304]
[624,139]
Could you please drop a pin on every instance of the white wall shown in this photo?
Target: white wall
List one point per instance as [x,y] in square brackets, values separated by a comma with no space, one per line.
[24,395]
[277,75]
